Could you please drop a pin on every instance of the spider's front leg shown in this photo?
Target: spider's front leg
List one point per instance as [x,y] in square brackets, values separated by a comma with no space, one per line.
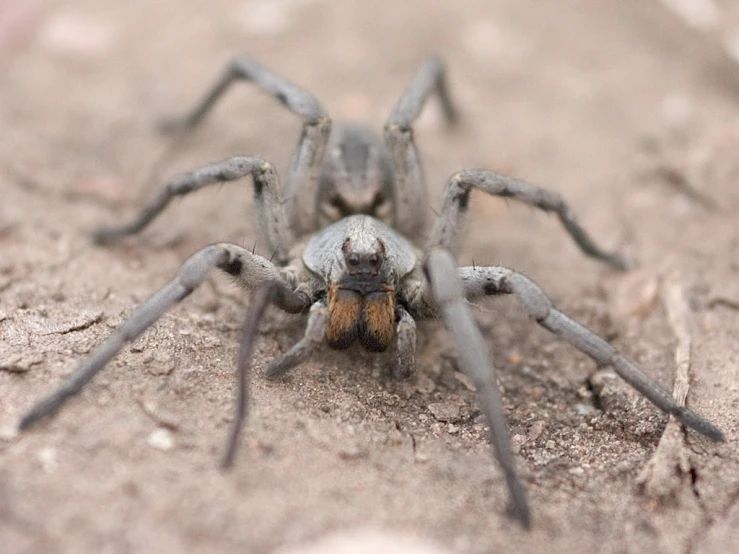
[483,281]
[447,294]
[301,190]
[251,271]
[409,186]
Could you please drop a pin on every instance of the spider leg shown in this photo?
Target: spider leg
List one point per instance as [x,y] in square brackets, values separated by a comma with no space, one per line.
[259,299]
[448,294]
[456,199]
[272,221]
[301,190]
[410,188]
[315,334]
[251,270]
[404,365]
[481,281]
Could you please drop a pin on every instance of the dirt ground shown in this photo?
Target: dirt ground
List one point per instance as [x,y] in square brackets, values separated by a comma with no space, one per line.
[619,106]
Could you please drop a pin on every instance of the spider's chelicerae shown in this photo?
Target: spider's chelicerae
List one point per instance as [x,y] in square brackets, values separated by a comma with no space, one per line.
[342,234]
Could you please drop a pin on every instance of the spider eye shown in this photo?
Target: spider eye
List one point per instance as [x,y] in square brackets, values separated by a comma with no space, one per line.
[352,259]
[374,259]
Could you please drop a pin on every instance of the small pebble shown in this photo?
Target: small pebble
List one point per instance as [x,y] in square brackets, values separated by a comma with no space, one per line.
[444,411]
[425,384]
[159,362]
[466,381]
[535,430]
[517,442]
[584,409]
[161,439]
[47,457]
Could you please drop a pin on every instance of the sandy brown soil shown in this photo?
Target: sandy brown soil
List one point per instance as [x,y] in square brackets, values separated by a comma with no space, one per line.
[616,105]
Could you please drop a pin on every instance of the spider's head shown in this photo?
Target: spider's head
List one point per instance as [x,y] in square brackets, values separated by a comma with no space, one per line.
[361,301]
[356,176]
[363,267]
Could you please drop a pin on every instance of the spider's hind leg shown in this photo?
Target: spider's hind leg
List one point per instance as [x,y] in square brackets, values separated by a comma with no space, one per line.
[446,288]
[410,189]
[301,188]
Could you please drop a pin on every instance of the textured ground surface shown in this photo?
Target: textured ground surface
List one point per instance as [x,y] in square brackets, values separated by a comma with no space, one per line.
[616,105]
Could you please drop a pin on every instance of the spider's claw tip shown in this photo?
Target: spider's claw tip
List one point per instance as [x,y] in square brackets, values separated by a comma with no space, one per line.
[103,235]
[28,420]
[700,425]
[623,262]
[518,506]
[521,514]
[713,433]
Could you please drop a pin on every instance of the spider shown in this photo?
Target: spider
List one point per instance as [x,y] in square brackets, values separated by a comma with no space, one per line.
[344,254]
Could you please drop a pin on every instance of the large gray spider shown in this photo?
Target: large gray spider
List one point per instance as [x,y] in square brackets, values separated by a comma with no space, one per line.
[341,256]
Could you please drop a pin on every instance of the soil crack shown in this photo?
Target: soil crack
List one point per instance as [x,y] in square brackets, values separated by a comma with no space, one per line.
[670,465]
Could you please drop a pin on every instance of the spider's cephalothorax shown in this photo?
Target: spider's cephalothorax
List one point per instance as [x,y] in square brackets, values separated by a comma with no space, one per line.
[361,279]
[356,176]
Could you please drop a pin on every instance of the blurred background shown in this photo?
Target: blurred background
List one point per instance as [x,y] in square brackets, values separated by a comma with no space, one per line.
[629,109]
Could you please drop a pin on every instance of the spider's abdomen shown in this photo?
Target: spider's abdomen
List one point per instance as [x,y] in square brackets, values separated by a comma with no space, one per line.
[366,318]
[356,175]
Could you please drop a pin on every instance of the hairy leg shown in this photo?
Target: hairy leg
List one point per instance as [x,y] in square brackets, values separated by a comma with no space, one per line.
[259,299]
